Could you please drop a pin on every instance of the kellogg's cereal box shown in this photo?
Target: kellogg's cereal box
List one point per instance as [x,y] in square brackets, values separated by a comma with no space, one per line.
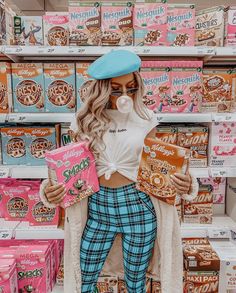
[81,78]
[217,90]
[59,87]
[5,87]
[158,162]
[14,144]
[8,276]
[200,209]
[39,141]
[28,30]
[201,281]
[67,135]
[74,166]
[150,23]
[56,29]
[230,27]
[194,138]
[186,86]
[210,26]
[157,82]
[117,24]
[28,87]
[85,24]
[219,188]
[122,287]
[181,25]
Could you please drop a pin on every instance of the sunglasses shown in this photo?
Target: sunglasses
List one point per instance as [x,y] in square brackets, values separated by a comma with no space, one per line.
[129,92]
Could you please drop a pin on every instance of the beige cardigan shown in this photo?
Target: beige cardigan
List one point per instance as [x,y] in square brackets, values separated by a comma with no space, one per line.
[165,265]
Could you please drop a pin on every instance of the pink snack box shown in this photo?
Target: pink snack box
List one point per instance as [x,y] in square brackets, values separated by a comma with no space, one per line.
[186,89]
[181,25]
[8,276]
[74,166]
[150,24]
[219,185]
[230,29]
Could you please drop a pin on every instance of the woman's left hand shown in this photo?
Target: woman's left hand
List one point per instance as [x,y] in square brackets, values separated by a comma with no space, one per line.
[182,182]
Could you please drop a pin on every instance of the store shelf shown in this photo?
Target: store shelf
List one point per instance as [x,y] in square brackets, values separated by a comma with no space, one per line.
[7,229]
[219,229]
[39,117]
[184,117]
[58,289]
[23,171]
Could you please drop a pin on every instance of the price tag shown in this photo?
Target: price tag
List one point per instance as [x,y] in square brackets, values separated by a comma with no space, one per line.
[218,172]
[210,51]
[51,50]
[4,172]
[80,50]
[219,233]
[159,118]
[224,117]
[16,118]
[18,49]
[146,50]
[9,50]
[5,234]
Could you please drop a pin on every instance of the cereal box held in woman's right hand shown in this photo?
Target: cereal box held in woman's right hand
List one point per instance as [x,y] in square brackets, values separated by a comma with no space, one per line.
[160,160]
[74,166]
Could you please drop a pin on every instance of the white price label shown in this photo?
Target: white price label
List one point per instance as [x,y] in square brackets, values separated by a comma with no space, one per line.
[81,50]
[5,234]
[218,233]
[210,51]
[159,118]
[4,172]
[224,117]
[218,172]
[51,50]
[16,118]
[146,50]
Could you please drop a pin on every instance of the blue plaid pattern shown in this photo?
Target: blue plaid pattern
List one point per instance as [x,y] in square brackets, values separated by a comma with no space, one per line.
[122,210]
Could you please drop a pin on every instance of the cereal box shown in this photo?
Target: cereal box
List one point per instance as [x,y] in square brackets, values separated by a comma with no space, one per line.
[181,25]
[157,82]
[39,141]
[166,133]
[186,86]
[28,87]
[56,29]
[8,276]
[81,77]
[210,26]
[15,201]
[150,23]
[59,87]
[156,286]
[122,287]
[74,166]
[201,281]
[107,284]
[218,184]
[85,24]
[117,24]
[228,272]
[200,209]
[222,148]
[7,24]
[28,30]
[5,87]
[67,135]
[14,144]
[158,162]
[40,214]
[194,138]
[230,27]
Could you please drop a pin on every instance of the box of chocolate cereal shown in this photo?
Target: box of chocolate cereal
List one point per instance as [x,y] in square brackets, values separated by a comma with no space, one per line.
[230,27]
[201,281]
[5,87]
[81,85]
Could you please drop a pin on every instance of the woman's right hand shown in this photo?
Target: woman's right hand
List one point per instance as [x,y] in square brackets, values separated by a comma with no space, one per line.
[55,193]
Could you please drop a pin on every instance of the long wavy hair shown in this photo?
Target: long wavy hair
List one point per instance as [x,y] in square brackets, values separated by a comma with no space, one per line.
[93,121]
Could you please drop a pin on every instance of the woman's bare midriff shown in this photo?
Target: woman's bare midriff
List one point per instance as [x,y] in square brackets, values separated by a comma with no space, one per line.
[116,180]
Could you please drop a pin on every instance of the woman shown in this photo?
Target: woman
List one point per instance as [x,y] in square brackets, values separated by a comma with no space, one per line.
[119,218]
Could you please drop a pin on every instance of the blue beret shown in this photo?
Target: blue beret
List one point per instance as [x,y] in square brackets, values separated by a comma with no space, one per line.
[113,64]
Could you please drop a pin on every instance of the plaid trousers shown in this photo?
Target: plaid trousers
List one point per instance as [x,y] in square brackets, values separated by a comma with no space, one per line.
[122,210]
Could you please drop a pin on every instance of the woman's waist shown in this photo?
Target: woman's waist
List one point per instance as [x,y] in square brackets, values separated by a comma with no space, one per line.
[116,180]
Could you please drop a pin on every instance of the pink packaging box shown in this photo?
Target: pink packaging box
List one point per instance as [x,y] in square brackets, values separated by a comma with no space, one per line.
[8,276]
[157,81]
[222,148]
[150,24]
[117,24]
[186,86]
[219,188]
[74,166]
[181,25]
[230,27]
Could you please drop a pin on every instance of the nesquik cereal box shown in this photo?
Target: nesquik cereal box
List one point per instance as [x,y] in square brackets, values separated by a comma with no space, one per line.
[158,162]
[8,276]
[122,287]
[217,90]
[156,286]
[56,29]
[181,25]
[219,185]
[201,281]
[28,30]
[150,23]
[14,144]
[39,141]
[199,210]
[85,24]
[81,85]
[67,135]
[230,27]
[157,82]
[59,87]
[5,87]
[74,166]
[194,138]
[117,24]
[210,26]
[107,284]
[186,86]
[28,87]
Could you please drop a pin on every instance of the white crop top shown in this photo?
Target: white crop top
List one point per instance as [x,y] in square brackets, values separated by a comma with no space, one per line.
[124,142]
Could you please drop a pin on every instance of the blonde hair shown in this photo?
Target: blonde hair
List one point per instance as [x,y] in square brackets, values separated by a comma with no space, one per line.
[93,121]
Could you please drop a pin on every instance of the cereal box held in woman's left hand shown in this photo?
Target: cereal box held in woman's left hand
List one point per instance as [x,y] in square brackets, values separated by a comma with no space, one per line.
[74,166]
